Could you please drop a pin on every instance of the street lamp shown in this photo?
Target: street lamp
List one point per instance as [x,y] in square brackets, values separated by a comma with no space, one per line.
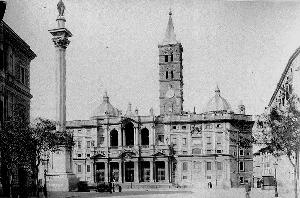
[276,192]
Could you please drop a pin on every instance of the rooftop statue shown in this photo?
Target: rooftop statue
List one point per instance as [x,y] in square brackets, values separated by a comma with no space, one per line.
[61,8]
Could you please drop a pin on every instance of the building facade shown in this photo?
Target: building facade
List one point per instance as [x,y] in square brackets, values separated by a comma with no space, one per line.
[288,85]
[15,58]
[174,147]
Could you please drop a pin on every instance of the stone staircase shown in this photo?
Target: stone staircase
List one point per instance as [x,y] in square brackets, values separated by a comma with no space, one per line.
[146,185]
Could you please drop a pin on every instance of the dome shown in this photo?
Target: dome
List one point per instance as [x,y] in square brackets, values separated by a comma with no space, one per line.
[217,103]
[105,109]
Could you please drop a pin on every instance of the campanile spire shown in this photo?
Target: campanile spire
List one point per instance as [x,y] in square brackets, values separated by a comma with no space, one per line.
[170,36]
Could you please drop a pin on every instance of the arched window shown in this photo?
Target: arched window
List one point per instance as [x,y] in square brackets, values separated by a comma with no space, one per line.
[145,136]
[167,74]
[114,138]
[171,57]
[129,134]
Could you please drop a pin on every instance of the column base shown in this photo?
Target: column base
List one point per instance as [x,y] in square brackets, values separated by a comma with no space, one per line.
[61,182]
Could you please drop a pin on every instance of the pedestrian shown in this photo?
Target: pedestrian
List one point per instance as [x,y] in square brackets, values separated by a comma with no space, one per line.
[247,189]
[113,184]
[45,190]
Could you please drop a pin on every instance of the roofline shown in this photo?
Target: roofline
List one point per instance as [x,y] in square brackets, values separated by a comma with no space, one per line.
[287,67]
[24,46]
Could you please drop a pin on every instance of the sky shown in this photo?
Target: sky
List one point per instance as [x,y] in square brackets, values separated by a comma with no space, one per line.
[241,46]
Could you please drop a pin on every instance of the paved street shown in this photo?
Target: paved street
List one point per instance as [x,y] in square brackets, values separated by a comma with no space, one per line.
[233,193]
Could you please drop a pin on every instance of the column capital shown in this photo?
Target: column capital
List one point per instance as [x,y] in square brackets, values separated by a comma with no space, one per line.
[61,42]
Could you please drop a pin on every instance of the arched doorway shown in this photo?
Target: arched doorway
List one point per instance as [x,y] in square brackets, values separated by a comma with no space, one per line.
[129,134]
[145,136]
[114,138]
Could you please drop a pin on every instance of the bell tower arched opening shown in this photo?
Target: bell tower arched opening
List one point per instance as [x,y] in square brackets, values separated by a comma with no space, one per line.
[129,134]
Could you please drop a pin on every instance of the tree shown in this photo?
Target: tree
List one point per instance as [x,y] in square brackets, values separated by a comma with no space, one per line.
[44,140]
[280,132]
[22,146]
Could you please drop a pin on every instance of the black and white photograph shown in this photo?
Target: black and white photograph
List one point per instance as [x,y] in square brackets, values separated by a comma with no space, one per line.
[150,98]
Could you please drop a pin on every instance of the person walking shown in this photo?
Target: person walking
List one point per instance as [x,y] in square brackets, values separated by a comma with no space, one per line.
[45,190]
[247,189]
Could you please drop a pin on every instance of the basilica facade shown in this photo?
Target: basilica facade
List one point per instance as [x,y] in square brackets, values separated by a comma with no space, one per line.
[208,149]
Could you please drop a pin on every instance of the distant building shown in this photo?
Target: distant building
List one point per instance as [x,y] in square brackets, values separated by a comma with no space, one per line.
[174,147]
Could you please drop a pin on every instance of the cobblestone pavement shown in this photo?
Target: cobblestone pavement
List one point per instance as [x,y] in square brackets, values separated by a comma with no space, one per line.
[203,193]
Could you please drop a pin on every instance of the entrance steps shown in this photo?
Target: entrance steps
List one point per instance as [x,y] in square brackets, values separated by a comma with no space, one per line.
[146,185]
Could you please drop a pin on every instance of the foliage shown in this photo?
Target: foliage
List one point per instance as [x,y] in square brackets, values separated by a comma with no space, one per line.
[280,130]
[23,144]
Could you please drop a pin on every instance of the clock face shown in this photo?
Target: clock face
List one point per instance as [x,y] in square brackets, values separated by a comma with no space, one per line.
[170,93]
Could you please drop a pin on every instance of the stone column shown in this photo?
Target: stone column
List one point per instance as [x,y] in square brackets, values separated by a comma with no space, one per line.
[151,171]
[61,42]
[120,171]
[136,172]
[167,171]
[135,136]
[124,138]
[120,138]
[106,172]
[151,132]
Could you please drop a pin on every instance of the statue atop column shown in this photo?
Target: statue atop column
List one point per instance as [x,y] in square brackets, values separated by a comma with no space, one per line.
[61,8]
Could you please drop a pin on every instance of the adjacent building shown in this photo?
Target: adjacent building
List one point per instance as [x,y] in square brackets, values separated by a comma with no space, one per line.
[172,148]
[15,58]
[288,85]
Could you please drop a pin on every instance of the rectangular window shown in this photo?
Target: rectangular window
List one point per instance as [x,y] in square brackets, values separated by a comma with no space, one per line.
[241,166]
[22,75]
[184,177]
[173,139]
[184,141]
[79,168]
[219,165]
[184,166]
[174,127]
[160,174]
[10,105]
[1,60]
[208,166]
[11,64]
[160,138]
[88,155]
[241,152]
[101,139]
[219,151]
[166,58]
[208,140]
[208,151]
[183,127]
[79,144]
[79,155]
[88,144]
[92,143]
[88,168]
[242,180]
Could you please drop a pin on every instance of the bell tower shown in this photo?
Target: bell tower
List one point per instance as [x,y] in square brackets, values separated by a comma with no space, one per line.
[170,72]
